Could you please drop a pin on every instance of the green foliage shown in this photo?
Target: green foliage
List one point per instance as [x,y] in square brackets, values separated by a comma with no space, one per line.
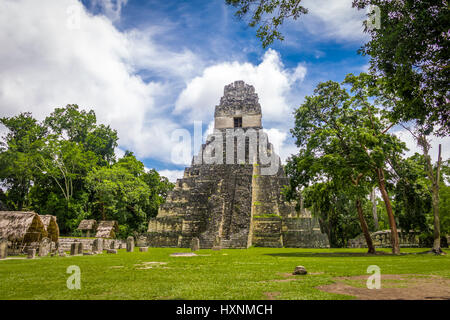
[80,126]
[119,194]
[65,166]
[444,208]
[343,143]
[411,194]
[335,210]
[159,188]
[16,157]
[269,15]
[410,50]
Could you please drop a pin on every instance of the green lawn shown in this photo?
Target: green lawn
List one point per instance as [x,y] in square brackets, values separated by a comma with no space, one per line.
[225,274]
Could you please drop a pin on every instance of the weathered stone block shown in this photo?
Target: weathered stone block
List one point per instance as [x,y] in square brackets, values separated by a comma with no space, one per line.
[130,244]
[143,249]
[73,248]
[31,254]
[141,241]
[195,244]
[3,249]
[44,247]
[97,245]
[80,248]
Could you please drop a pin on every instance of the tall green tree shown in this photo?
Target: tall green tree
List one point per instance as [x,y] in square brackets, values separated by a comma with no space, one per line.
[369,87]
[65,163]
[17,152]
[120,194]
[66,166]
[159,188]
[410,51]
[323,127]
[80,126]
[350,137]
[411,195]
[335,209]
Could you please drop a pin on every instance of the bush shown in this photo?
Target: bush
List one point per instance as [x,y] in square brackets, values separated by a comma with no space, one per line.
[426,240]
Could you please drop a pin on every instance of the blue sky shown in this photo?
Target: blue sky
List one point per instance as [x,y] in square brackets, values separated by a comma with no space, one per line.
[150,68]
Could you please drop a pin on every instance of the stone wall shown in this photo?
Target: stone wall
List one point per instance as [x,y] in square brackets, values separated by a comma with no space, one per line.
[210,200]
[279,232]
[65,243]
[382,239]
[303,232]
[267,232]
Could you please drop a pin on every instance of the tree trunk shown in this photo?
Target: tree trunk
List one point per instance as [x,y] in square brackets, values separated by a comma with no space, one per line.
[374,209]
[364,227]
[435,201]
[394,234]
[103,211]
[437,228]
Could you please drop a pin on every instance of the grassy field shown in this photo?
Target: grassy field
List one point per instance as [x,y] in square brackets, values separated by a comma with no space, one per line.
[225,274]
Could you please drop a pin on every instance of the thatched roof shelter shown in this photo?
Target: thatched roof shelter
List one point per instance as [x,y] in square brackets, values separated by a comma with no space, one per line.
[51,226]
[90,225]
[107,229]
[19,226]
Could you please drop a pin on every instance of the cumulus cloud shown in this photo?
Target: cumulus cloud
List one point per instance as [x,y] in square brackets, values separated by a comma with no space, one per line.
[146,54]
[54,53]
[272,82]
[172,175]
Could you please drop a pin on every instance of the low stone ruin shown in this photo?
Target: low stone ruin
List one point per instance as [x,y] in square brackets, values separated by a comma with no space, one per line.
[382,239]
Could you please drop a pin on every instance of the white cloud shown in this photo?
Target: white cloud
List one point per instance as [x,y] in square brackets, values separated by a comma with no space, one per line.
[46,62]
[209,130]
[146,54]
[283,145]
[335,19]
[272,81]
[172,175]
[277,138]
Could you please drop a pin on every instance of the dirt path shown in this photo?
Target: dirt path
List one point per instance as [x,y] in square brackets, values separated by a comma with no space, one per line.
[393,287]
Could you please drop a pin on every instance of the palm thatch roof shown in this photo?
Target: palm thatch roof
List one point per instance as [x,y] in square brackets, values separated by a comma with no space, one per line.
[90,225]
[51,226]
[107,229]
[19,226]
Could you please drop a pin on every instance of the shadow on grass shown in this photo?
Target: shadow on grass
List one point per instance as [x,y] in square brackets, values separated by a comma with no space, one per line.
[332,254]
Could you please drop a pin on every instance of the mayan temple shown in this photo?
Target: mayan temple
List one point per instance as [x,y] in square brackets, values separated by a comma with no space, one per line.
[230,196]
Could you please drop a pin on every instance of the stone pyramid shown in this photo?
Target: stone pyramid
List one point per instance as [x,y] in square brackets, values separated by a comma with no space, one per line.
[230,196]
